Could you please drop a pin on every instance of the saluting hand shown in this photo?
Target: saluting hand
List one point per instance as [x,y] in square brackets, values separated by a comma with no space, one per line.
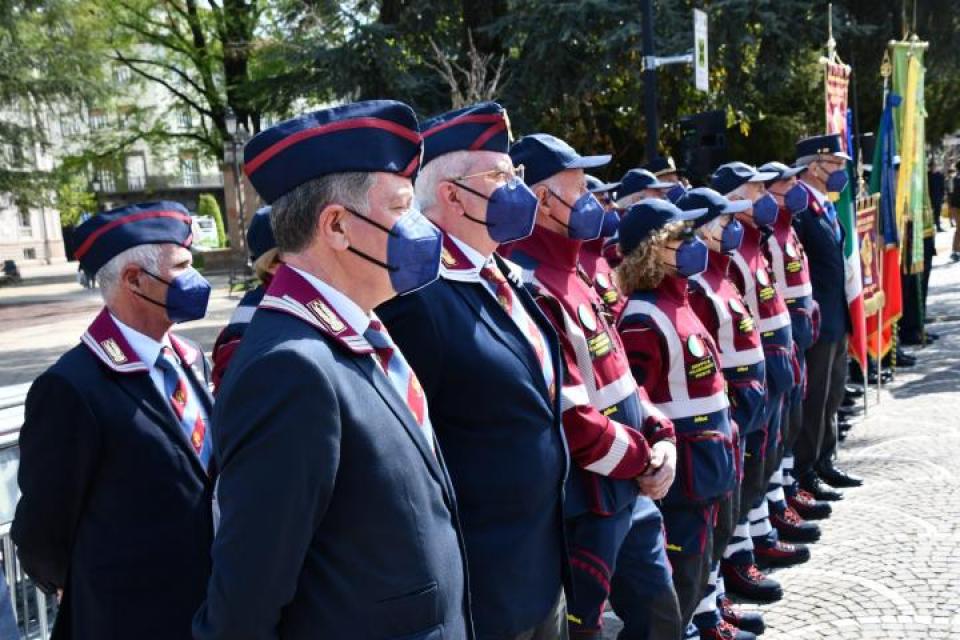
[656,480]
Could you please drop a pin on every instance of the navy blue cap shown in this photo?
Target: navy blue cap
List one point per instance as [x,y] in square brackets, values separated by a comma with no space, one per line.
[636,180]
[661,165]
[378,135]
[728,177]
[596,185]
[543,155]
[826,145]
[783,171]
[479,127]
[714,204]
[260,234]
[107,234]
[647,216]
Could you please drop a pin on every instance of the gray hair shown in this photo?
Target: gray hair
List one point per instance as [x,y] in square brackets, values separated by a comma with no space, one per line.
[629,199]
[146,256]
[449,165]
[295,213]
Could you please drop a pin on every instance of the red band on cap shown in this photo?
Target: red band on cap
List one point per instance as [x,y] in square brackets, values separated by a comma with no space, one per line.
[134,217]
[486,135]
[408,171]
[343,125]
[482,118]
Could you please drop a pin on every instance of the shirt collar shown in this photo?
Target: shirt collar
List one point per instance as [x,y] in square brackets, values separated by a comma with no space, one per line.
[352,314]
[821,198]
[146,348]
[461,262]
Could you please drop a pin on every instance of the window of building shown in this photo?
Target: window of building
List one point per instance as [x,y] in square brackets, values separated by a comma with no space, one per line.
[29,253]
[185,118]
[69,125]
[98,118]
[24,217]
[121,74]
[107,180]
[136,168]
[189,168]
[124,115]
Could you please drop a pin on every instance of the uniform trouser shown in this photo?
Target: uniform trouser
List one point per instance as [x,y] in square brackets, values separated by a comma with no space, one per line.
[707,615]
[552,627]
[827,377]
[642,592]
[593,543]
[739,549]
[689,547]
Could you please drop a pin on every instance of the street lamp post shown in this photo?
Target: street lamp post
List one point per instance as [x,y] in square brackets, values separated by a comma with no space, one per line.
[95,185]
[238,137]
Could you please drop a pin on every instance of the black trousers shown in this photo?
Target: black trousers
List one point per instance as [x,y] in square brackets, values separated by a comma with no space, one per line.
[826,379]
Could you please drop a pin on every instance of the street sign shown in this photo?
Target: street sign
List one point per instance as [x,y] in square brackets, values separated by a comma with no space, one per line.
[700,60]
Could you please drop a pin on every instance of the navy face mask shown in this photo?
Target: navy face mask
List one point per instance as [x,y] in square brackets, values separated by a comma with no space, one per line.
[413,251]
[511,211]
[732,236]
[765,210]
[837,181]
[691,257]
[796,199]
[187,295]
[586,217]
[675,193]
[611,222]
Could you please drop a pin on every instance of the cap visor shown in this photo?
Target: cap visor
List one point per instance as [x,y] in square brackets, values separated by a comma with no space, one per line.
[691,214]
[736,206]
[792,173]
[589,162]
[606,188]
[764,176]
[662,185]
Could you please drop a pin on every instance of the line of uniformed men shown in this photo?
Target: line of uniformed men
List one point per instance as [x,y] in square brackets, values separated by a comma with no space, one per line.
[491,453]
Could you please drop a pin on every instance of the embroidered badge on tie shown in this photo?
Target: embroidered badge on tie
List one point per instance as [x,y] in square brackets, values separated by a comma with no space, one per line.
[326,315]
[113,350]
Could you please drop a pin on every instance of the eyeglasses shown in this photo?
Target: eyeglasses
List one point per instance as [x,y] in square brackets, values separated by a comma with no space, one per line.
[497,174]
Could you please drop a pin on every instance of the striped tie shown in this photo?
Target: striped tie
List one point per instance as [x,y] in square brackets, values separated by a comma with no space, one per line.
[401,376]
[514,308]
[185,405]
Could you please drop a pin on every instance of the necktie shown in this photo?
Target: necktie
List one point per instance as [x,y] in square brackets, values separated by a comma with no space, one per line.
[832,217]
[514,308]
[185,404]
[400,375]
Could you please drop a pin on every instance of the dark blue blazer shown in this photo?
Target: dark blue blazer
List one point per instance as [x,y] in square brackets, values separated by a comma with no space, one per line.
[825,252]
[115,506]
[502,439]
[337,521]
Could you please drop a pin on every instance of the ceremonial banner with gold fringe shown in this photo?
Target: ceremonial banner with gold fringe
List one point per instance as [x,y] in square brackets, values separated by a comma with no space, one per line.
[837,85]
[883,183]
[870,243]
[908,82]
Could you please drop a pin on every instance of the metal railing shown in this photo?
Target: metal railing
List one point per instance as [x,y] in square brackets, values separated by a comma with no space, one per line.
[34,612]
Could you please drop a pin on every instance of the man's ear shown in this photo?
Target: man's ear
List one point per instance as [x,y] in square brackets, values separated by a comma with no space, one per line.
[448,194]
[331,227]
[131,275]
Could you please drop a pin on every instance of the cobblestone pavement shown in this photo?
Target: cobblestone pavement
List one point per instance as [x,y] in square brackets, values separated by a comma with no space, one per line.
[888,565]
